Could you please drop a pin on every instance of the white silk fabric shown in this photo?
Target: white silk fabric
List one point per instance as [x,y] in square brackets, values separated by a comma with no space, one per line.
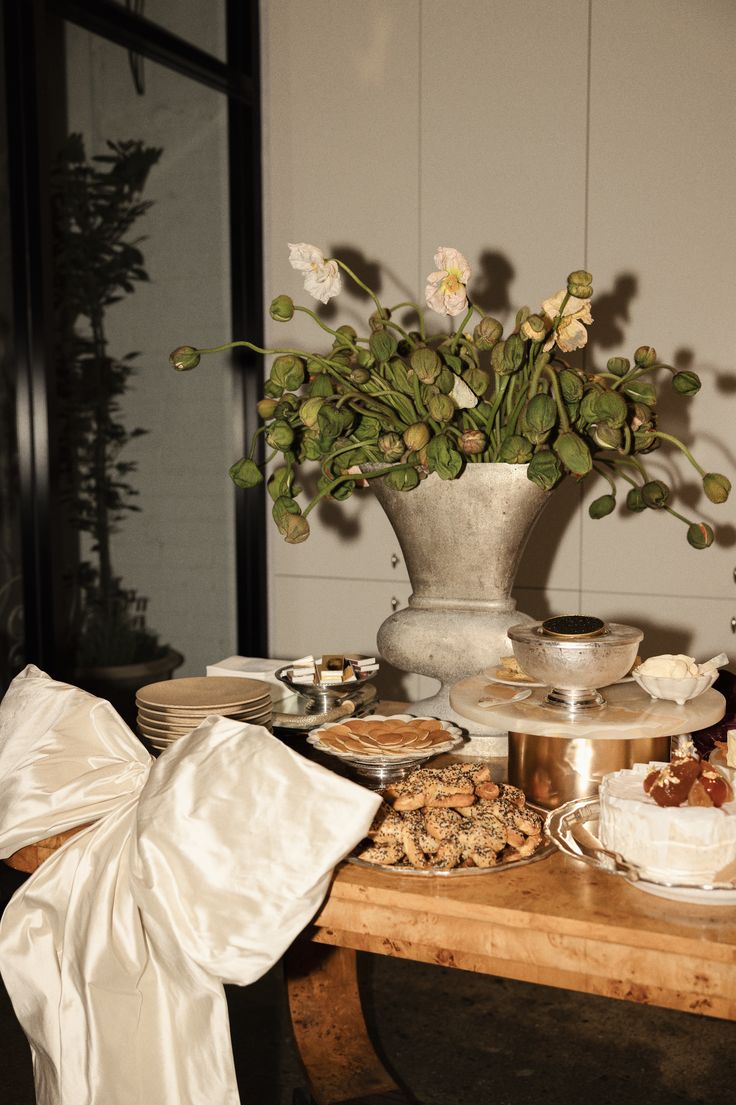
[201,867]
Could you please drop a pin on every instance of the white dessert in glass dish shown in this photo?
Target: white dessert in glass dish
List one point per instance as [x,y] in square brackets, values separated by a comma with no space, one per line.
[673,843]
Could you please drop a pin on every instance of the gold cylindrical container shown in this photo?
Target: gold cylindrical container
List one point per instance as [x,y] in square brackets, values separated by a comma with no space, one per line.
[554,770]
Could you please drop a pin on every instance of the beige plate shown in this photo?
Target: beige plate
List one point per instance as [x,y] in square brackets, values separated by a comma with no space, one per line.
[152,730]
[180,717]
[210,691]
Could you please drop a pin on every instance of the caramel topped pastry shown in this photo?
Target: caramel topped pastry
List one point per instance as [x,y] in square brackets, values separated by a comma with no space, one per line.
[688,781]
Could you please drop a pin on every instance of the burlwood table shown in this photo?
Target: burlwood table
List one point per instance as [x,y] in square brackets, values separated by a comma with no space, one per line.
[556,922]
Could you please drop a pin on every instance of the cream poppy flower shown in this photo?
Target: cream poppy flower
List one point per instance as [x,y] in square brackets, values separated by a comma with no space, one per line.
[445,292]
[570,333]
[322,278]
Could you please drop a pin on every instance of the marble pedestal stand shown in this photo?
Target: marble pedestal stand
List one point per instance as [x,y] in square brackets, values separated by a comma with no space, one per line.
[555,758]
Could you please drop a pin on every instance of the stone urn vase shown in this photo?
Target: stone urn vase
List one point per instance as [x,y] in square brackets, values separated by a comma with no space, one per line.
[462,541]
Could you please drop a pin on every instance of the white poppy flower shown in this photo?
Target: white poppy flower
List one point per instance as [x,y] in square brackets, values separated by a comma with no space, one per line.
[322,278]
[445,292]
[462,396]
[570,333]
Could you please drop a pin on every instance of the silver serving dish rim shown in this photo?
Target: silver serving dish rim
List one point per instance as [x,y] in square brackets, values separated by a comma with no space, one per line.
[326,691]
[581,811]
[358,759]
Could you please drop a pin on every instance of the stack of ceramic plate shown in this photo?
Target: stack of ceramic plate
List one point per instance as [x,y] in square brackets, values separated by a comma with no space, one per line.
[172,708]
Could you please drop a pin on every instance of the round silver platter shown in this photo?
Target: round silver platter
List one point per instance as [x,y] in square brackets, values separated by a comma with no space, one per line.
[546,848]
[573,827]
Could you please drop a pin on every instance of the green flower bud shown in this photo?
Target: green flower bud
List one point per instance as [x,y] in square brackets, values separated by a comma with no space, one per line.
[498,361]
[443,459]
[544,470]
[426,364]
[641,391]
[446,380]
[700,535]
[309,411]
[602,506]
[311,445]
[392,446]
[645,356]
[574,453]
[645,441]
[359,376]
[417,435]
[266,408]
[540,413]
[441,408]
[365,358]
[716,487]
[245,473]
[287,372]
[346,336]
[287,404]
[279,483]
[581,291]
[282,308]
[184,358]
[280,435]
[635,500]
[686,383]
[487,332]
[477,380]
[619,366]
[603,406]
[294,528]
[282,505]
[321,385]
[655,494]
[533,328]
[571,385]
[513,352]
[367,429]
[579,279]
[607,436]
[402,479]
[472,442]
[378,318]
[382,345]
[640,415]
[515,449]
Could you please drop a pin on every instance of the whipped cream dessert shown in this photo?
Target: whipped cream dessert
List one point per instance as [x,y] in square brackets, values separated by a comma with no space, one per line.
[670,666]
[669,843]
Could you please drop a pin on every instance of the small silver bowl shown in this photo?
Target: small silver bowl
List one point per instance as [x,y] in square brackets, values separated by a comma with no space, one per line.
[575,667]
[323,696]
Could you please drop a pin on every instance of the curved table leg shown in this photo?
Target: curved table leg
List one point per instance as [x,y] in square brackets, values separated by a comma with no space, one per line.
[340,1063]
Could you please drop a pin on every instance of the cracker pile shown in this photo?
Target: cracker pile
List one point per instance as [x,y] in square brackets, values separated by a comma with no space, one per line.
[451,817]
[390,737]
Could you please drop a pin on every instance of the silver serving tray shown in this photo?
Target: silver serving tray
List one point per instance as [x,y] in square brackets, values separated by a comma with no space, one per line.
[546,848]
[573,827]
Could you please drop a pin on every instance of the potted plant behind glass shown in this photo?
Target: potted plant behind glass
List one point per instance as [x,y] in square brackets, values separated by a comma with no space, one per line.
[464,434]
[95,203]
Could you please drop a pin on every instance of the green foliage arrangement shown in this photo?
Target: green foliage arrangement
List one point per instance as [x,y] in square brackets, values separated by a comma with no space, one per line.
[95,203]
[410,402]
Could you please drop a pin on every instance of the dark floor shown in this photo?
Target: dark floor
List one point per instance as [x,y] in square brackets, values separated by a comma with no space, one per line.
[461,1039]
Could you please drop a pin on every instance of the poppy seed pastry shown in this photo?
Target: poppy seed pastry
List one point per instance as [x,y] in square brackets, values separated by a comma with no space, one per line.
[675,843]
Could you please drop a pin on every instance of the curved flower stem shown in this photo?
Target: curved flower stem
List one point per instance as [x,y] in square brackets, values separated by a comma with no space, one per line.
[418,401]
[633,462]
[250,345]
[557,394]
[683,448]
[676,514]
[515,414]
[537,365]
[459,332]
[348,476]
[254,442]
[607,477]
[360,284]
[328,329]
[419,311]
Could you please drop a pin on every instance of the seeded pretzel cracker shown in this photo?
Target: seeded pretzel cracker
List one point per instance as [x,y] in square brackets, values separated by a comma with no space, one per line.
[450,817]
